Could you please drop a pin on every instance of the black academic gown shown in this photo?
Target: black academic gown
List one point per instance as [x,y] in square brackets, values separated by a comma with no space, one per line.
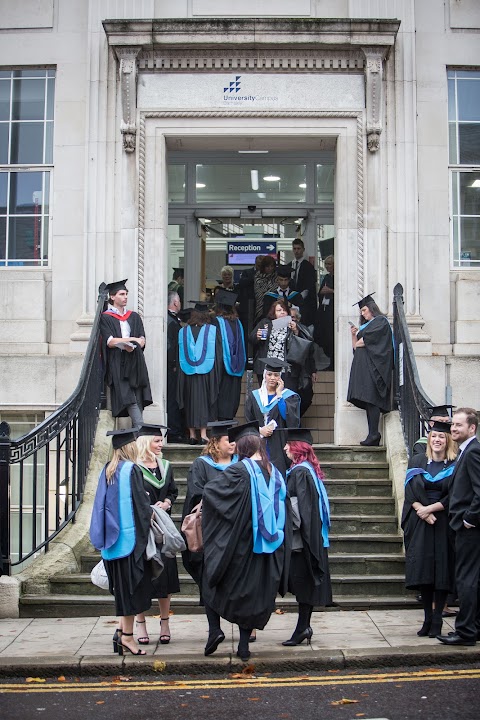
[371,371]
[130,577]
[239,584]
[167,582]
[276,442]
[428,550]
[324,333]
[125,372]
[309,577]
[230,385]
[199,474]
[198,394]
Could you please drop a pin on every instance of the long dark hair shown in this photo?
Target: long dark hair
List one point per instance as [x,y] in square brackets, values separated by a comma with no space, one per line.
[374,309]
[251,444]
[271,312]
[198,318]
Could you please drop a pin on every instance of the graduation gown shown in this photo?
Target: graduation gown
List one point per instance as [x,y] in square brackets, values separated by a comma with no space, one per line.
[371,371]
[198,394]
[125,372]
[428,550]
[199,474]
[230,385]
[167,582]
[129,577]
[239,584]
[276,442]
[309,576]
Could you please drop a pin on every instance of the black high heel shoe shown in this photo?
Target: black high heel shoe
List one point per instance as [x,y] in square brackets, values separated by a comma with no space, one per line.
[164,637]
[144,639]
[122,647]
[425,629]
[371,440]
[298,638]
[116,636]
[435,629]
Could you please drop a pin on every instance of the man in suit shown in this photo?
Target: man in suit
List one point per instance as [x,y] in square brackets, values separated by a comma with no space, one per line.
[464,513]
[174,417]
[304,277]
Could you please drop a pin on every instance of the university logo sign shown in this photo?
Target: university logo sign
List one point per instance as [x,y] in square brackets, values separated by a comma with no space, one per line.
[233,86]
[234,91]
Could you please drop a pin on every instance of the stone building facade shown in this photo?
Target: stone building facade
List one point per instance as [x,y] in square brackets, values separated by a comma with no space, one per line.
[97,97]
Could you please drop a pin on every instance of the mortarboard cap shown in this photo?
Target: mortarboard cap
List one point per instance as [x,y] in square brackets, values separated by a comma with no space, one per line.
[225,297]
[240,431]
[274,364]
[367,299]
[221,427]
[441,411]
[200,305]
[284,271]
[439,426]
[184,314]
[154,430]
[123,437]
[299,435]
[178,272]
[114,287]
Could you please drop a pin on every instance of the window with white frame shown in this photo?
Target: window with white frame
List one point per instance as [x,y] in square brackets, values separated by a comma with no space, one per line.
[26,161]
[464,161]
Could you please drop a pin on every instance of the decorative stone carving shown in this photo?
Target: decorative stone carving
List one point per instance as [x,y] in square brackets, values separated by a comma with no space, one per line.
[374,94]
[128,72]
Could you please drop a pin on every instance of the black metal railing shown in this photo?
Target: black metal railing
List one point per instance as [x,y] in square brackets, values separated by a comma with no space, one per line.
[43,473]
[413,403]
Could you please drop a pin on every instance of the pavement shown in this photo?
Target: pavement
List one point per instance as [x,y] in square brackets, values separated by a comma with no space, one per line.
[47,647]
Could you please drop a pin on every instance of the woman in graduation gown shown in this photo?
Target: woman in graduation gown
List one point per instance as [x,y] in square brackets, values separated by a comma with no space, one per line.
[274,407]
[119,529]
[428,553]
[309,577]
[199,368]
[216,457]
[162,491]
[246,535]
[371,371]
[233,354]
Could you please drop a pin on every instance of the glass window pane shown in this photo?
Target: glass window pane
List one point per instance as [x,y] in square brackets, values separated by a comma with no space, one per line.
[27,143]
[250,183]
[44,248]
[3,238]
[468,99]
[50,98]
[24,239]
[5,73]
[29,73]
[48,143]
[3,143]
[28,101]
[46,191]
[455,192]
[4,99]
[470,242]
[452,110]
[25,192]
[325,183]
[176,183]
[3,193]
[468,74]
[469,141]
[469,193]
[452,143]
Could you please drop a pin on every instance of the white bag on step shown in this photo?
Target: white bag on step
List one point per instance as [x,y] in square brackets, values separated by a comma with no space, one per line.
[98,576]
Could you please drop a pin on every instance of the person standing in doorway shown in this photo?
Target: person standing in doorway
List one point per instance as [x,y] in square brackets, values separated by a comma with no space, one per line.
[464,513]
[123,343]
[324,334]
[177,282]
[304,277]
[174,417]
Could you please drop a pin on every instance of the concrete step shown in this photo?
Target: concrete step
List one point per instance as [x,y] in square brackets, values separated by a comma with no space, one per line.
[324,453]
[363,544]
[334,470]
[35,606]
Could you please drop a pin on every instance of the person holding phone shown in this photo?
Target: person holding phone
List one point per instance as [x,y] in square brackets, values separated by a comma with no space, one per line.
[274,407]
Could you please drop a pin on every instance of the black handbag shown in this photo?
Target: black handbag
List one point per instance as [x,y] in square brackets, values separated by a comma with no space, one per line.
[297,349]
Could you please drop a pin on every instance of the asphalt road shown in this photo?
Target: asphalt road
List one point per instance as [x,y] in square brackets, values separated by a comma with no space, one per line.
[443,693]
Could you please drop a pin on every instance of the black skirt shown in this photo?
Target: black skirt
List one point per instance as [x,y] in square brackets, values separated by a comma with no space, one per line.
[167,583]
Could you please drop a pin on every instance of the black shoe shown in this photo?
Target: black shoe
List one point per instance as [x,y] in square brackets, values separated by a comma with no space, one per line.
[243,654]
[298,638]
[116,636]
[192,441]
[454,633]
[213,642]
[253,636]
[371,440]
[435,629]
[425,629]
[455,640]
[449,613]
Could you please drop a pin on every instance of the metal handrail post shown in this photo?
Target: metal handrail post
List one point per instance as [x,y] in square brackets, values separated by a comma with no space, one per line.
[5,444]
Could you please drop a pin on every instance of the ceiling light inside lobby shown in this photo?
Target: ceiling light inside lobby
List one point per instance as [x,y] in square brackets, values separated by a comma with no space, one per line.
[271,178]
[475,184]
[303,186]
[200,185]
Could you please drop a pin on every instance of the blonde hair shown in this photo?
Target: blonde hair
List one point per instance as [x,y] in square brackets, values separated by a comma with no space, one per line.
[145,453]
[127,452]
[212,448]
[451,448]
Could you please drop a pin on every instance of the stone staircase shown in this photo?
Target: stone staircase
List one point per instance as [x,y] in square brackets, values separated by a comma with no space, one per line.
[366,557]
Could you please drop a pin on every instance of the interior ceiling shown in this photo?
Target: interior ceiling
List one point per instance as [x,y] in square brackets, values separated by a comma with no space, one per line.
[273,143]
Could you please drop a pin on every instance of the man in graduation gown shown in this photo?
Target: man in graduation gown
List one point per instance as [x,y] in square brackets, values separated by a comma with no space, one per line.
[283,291]
[123,344]
[246,545]
[275,408]
[304,277]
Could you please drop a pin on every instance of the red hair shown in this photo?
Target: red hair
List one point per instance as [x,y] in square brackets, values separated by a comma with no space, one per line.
[302,451]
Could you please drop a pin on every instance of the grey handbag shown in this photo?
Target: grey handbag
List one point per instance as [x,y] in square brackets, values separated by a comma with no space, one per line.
[297,349]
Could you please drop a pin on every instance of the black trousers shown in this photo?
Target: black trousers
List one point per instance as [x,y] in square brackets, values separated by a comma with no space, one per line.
[174,417]
[467,575]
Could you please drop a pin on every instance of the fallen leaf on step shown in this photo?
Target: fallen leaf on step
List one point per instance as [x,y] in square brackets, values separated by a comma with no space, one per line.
[279,611]
[159,665]
[344,701]
[253,699]
[205,697]
[61,678]
[100,702]
[359,714]
[35,680]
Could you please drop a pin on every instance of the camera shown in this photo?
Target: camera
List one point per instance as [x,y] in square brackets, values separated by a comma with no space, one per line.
[252,208]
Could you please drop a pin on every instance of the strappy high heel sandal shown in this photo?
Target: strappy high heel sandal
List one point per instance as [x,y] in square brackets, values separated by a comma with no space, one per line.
[144,640]
[165,637]
[116,635]
[122,647]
